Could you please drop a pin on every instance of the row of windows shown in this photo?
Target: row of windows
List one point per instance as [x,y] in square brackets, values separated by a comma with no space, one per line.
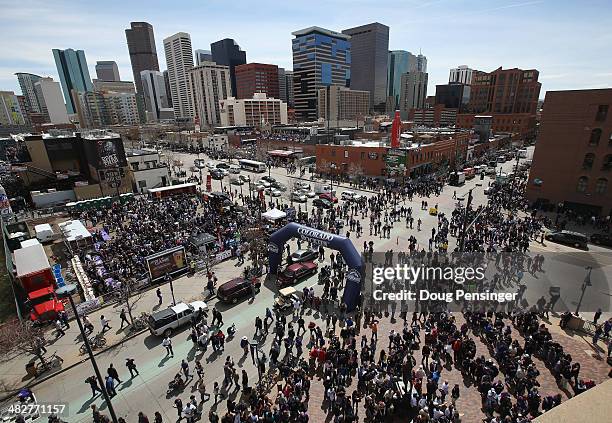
[589,161]
[601,186]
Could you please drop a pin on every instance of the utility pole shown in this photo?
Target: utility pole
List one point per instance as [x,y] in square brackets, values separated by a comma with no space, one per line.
[92,358]
[587,283]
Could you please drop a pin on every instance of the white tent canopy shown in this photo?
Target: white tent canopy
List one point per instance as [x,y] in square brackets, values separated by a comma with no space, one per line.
[274,214]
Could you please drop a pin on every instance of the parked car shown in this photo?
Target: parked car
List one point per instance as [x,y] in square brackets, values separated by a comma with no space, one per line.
[211,165]
[269,179]
[322,203]
[244,178]
[329,197]
[164,322]
[575,239]
[298,197]
[304,255]
[236,289]
[273,191]
[235,169]
[309,194]
[295,272]
[278,186]
[216,174]
[223,166]
[236,181]
[350,196]
[199,163]
[602,239]
[302,185]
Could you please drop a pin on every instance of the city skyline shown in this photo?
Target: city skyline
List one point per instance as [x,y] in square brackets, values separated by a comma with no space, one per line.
[516,35]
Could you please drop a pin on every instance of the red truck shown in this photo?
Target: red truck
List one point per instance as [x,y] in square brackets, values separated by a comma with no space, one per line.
[36,277]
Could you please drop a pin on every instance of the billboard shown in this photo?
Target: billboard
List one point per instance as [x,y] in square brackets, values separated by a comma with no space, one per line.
[171,261]
[110,153]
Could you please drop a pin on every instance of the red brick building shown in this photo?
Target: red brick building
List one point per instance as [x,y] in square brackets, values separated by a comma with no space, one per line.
[572,163]
[509,95]
[256,78]
[437,115]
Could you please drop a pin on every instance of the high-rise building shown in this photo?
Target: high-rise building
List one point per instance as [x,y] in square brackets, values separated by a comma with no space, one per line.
[52,105]
[208,84]
[453,95]
[141,46]
[11,114]
[282,84]
[461,74]
[167,83]
[399,63]
[320,58]
[255,111]
[414,92]
[421,63]
[26,82]
[115,86]
[202,56]
[369,51]
[505,91]
[107,70]
[74,75]
[228,53]
[290,89]
[179,60]
[256,78]
[344,104]
[97,109]
[572,161]
[155,96]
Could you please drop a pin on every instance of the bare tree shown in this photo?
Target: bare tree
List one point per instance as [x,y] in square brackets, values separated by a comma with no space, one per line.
[355,172]
[258,248]
[22,338]
[130,296]
[324,168]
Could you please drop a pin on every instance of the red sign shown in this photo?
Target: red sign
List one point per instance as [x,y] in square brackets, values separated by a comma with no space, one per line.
[396,130]
[208,183]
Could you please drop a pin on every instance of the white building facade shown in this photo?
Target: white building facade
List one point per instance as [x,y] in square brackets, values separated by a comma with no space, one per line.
[179,61]
[256,111]
[51,101]
[461,74]
[147,170]
[209,83]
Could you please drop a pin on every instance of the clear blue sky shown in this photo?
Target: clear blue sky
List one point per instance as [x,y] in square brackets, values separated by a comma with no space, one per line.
[569,42]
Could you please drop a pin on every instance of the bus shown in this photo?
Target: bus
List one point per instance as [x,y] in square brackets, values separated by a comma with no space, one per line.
[169,191]
[252,165]
[307,161]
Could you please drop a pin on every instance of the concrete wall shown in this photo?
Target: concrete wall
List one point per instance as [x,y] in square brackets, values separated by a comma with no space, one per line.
[48,199]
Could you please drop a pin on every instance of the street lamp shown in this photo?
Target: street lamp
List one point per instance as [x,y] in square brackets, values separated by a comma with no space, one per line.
[331,178]
[68,290]
[587,283]
[465,219]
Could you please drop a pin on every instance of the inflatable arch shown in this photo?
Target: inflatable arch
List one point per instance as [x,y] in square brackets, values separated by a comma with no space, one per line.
[342,244]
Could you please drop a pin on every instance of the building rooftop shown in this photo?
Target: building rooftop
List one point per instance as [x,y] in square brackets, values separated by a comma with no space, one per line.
[322,31]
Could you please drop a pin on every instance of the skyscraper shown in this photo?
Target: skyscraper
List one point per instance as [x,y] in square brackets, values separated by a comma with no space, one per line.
[74,75]
[167,84]
[11,114]
[290,89]
[254,78]
[141,46]
[421,63]
[227,52]
[156,99]
[49,96]
[369,50]
[282,84]
[320,58]
[208,84]
[461,74]
[414,92]
[107,70]
[399,63]
[179,60]
[26,82]
[202,56]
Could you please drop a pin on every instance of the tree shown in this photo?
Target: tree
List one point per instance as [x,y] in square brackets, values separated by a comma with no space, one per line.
[21,338]
[324,168]
[258,247]
[355,172]
[130,297]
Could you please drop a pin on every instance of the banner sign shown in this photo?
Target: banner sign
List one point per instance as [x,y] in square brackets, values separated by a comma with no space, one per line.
[170,261]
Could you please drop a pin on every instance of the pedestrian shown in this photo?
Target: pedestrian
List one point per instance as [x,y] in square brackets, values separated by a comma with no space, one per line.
[142,417]
[93,384]
[167,343]
[202,391]
[89,327]
[112,372]
[158,417]
[185,368]
[216,391]
[58,329]
[64,317]
[159,296]
[199,369]
[110,386]
[123,318]
[178,404]
[597,316]
[129,363]
[105,324]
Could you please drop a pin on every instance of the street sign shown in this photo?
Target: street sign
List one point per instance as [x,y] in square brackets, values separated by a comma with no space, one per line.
[114,184]
[112,175]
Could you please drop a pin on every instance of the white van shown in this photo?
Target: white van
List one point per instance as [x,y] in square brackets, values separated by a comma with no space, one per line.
[235,169]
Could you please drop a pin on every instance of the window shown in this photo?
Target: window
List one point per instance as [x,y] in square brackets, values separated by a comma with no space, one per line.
[595,136]
[587,163]
[607,162]
[602,113]
[362,155]
[601,186]
[346,154]
[583,182]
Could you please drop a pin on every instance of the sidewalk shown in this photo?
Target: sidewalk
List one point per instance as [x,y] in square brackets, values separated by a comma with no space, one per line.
[12,368]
